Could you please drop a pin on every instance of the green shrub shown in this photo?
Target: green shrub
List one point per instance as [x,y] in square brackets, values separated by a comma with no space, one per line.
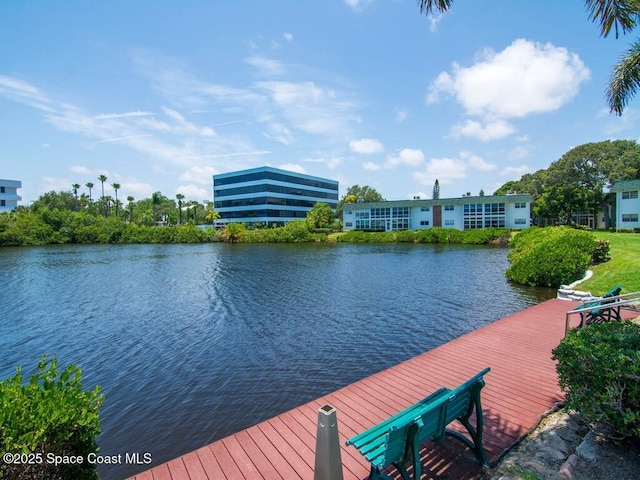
[551,256]
[601,252]
[47,417]
[357,236]
[406,236]
[599,369]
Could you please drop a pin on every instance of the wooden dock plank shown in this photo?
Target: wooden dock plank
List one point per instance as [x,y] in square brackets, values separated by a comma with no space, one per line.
[210,464]
[521,387]
[193,465]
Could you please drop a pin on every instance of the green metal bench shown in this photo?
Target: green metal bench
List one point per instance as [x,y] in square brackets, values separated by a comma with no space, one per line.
[608,311]
[396,441]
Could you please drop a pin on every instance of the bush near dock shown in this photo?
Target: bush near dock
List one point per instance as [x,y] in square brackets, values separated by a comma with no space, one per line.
[599,369]
[552,256]
[48,417]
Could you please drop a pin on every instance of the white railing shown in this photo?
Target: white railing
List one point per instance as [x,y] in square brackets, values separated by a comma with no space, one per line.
[627,301]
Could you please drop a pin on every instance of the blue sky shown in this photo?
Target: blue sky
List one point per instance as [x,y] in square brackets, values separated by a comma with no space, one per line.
[160,95]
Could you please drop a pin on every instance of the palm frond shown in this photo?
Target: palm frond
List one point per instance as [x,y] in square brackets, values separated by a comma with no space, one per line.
[625,80]
[621,14]
[428,6]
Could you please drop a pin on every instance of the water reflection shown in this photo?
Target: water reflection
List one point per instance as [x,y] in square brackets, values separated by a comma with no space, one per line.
[194,342]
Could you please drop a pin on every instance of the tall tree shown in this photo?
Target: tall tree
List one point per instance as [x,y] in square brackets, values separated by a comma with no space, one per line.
[579,181]
[130,199]
[76,187]
[436,190]
[358,194]
[622,16]
[156,201]
[365,194]
[320,216]
[89,185]
[180,197]
[116,187]
[103,178]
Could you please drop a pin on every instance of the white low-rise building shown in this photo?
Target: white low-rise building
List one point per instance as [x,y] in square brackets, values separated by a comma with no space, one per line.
[9,197]
[464,213]
[627,203]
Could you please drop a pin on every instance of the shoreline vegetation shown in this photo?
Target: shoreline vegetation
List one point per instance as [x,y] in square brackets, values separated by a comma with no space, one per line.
[548,248]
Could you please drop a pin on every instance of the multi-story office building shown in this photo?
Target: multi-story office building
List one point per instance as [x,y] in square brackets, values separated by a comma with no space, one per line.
[464,213]
[270,196]
[9,197]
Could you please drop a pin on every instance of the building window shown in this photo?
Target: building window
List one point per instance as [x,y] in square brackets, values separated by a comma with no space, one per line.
[521,204]
[425,209]
[520,221]
[424,223]
[400,212]
[449,223]
[348,224]
[3,203]
[449,208]
[629,217]
[2,190]
[349,213]
[629,195]
[362,214]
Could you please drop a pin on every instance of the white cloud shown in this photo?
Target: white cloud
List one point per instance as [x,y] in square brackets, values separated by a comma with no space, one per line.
[515,172]
[294,167]
[279,133]
[108,116]
[366,146]
[476,162]
[358,5]
[444,169]
[201,174]
[330,162]
[310,108]
[434,20]
[520,152]
[288,36]
[491,130]
[400,114]
[81,170]
[372,166]
[193,192]
[406,156]
[523,79]
[265,65]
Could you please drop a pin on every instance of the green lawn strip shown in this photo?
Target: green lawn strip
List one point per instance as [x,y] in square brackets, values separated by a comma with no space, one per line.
[623,268]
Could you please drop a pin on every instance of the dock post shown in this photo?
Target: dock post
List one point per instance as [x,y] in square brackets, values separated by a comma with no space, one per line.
[328,461]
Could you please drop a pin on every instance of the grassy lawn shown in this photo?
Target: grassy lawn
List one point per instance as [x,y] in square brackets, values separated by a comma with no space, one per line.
[623,268]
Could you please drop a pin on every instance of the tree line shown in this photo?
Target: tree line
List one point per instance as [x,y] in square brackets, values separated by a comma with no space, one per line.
[579,182]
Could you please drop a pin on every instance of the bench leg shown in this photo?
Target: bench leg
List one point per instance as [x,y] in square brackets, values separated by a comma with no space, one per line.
[475,443]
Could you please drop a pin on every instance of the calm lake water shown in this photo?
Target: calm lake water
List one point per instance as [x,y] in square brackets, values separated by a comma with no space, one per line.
[194,342]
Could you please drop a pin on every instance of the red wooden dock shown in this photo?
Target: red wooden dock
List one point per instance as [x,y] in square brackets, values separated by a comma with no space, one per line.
[521,387]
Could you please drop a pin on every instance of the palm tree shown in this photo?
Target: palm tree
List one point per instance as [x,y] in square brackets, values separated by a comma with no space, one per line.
[233,232]
[89,185]
[116,186]
[622,16]
[75,187]
[130,200]
[103,178]
[180,197]
[156,199]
